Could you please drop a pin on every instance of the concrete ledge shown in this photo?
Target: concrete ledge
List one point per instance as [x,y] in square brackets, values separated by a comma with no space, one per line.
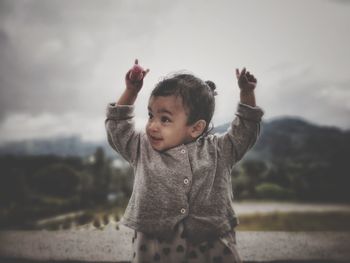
[112,245]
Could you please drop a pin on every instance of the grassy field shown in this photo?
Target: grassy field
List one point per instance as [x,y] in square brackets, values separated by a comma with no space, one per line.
[295,221]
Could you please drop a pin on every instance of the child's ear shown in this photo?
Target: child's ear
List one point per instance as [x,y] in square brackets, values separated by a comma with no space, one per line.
[198,128]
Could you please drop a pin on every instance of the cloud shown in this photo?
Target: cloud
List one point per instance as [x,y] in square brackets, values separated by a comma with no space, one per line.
[52,52]
[300,92]
[342,2]
[21,126]
[68,58]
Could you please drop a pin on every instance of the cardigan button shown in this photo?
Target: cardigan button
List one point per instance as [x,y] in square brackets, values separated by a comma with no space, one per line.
[186,181]
[183,210]
[183,151]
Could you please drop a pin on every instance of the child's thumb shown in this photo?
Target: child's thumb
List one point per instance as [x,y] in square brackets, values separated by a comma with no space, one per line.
[237,73]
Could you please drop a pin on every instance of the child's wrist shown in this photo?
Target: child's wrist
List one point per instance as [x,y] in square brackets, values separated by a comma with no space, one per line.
[128,97]
[131,91]
[246,92]
[248,97]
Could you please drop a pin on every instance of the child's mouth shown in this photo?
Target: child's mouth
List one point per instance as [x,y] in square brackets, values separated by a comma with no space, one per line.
[155,139]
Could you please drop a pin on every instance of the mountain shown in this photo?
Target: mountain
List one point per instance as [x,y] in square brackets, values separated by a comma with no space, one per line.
[280,138]
[295,159]
[288,137]
[61,146]
[292,159]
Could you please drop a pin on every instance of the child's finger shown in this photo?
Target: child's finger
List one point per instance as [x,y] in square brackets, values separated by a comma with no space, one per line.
[244,78]
[127,75]
[243,75]
[145,72]
[250,76]
[237,73]
[136,61]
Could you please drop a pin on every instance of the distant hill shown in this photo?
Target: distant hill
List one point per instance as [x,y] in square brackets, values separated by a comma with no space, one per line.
[295,159]
[288,137]
[292,159]
[294,138]
[61,146]
[280,139]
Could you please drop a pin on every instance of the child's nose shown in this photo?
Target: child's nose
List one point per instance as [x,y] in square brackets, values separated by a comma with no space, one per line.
[153,126]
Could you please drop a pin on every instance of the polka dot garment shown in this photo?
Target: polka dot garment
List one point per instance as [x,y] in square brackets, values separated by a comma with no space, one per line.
[179,250]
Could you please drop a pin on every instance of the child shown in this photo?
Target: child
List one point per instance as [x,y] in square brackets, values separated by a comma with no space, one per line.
[181,204]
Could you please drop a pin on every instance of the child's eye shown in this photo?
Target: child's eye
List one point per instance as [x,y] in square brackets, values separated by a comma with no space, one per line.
[165,119]
[150,116]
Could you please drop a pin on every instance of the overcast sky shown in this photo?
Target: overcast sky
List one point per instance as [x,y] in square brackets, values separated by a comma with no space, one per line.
[62,61]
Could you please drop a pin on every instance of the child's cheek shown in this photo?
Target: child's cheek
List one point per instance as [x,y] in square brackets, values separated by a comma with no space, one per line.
[166,132]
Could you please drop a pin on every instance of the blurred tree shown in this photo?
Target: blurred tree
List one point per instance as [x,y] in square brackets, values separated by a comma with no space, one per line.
[58,180]
[273,191]
[250,173]
[101,170]
[124,181]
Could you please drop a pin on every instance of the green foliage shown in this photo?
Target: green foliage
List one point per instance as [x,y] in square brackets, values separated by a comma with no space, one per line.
[310,160]
[295,221]
[302,178]
[33,187]
[101,172]
[56,180]
[272,191]
[291,160]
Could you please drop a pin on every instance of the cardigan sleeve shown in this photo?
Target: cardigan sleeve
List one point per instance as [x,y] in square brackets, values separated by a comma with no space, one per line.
[242,133]
[121,134]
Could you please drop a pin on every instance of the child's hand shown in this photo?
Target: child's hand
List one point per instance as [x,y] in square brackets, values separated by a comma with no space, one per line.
[246,81]
[134,77]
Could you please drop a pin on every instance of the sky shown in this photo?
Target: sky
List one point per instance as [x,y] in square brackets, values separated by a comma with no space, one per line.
[62,62]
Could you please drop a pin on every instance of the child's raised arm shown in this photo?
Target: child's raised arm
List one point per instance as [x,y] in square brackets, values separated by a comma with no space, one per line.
[245,127]
[134,82]
[119,123]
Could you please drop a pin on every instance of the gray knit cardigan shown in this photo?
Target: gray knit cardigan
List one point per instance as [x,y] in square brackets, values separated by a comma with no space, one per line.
[189,183]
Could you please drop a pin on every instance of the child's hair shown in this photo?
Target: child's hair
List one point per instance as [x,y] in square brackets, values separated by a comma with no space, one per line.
[197,95]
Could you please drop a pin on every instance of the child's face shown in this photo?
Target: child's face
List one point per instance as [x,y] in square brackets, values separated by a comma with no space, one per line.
[167,124]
